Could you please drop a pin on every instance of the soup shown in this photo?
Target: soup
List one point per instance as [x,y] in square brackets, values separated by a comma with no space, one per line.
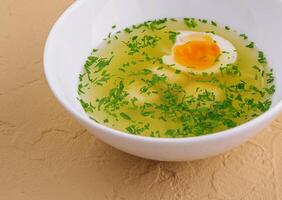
[175,78]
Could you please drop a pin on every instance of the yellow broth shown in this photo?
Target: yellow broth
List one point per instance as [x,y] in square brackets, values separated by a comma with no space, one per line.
[126,86]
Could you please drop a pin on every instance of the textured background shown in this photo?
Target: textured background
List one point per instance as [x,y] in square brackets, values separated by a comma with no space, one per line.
[46,155]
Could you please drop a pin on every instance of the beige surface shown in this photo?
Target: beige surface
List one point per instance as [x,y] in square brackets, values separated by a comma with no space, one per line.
[46,155]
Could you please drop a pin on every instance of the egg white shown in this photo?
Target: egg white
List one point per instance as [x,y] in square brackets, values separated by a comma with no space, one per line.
[228,53]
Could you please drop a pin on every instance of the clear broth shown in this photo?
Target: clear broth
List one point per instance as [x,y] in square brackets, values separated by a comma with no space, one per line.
[140,95]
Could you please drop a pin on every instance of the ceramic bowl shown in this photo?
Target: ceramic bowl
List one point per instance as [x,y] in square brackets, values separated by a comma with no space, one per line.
[83,26]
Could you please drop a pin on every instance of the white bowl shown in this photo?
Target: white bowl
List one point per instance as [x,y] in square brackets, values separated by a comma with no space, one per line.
[86,22]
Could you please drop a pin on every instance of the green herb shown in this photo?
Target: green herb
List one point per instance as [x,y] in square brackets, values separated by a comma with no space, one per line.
[96,63]
[178,71]
[230,69]
[143,72]
[128,30]
[156,25]
[81,76]
[270,90]
[150,41]
[102,63]
[155,134]
[173,36]
[131,82]
[270,77]
[213,23]
[81,88]
[136,130]
[137,26]
[152,82]
[135,45]
[244,36]
[204,21]
[125,116]
[239,97]
[257,68]
[264,106]
[190,22]
[115,99]
[251,45]
[103,79]
[261,58]
[229,123]
[87,107]
[173,133]
[256,90]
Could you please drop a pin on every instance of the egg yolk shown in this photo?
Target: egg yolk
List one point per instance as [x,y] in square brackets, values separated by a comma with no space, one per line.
[198,54]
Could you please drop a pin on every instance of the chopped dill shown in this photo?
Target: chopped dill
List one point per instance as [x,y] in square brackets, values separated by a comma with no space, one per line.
[251,45]
[190,22]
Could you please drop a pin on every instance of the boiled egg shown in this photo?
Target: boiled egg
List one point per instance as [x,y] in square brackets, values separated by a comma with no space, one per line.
[200,52]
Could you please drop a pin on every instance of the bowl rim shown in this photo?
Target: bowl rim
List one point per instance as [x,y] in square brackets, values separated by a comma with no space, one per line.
[268,115]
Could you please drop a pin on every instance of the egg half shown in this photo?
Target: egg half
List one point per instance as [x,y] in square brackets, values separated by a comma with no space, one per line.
[200,52]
